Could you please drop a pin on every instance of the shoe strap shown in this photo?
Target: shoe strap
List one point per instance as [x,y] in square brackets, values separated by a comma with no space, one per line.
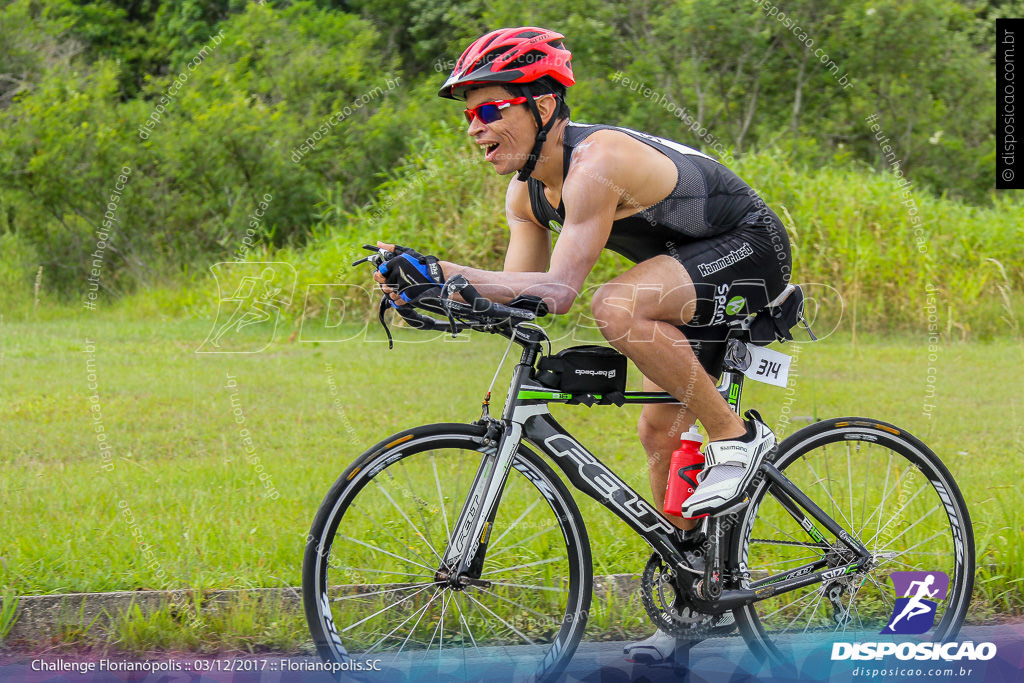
[727,453]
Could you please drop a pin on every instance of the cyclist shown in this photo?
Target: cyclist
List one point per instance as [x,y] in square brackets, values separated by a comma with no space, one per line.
[707,250]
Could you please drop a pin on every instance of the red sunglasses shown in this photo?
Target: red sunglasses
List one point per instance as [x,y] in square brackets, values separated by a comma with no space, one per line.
[489,112]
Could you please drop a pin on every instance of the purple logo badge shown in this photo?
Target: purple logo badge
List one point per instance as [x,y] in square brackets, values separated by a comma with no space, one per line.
[917,595]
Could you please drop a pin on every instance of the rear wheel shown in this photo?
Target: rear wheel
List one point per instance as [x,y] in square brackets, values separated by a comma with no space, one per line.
[890,492]
[370,575]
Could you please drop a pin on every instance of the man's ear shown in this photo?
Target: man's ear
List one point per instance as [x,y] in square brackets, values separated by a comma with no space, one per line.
[546,105]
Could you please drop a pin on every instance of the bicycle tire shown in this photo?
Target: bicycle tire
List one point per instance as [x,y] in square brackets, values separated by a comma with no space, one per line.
[926,528]
[524,626]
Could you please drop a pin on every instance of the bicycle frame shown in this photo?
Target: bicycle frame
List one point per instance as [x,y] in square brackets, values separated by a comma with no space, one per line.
[526,418]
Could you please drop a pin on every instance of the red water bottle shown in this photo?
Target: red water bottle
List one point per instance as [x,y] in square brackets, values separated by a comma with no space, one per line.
[686,463]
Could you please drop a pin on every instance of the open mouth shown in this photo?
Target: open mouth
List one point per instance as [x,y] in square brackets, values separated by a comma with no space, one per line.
[489,151]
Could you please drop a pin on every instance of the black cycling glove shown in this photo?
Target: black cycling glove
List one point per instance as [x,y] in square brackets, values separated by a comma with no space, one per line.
[411,274]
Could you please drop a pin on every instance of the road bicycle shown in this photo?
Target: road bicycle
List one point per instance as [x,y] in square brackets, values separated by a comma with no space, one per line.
[457,547]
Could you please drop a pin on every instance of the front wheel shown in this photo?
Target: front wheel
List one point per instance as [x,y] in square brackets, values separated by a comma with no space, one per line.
[370,585]
[891,493]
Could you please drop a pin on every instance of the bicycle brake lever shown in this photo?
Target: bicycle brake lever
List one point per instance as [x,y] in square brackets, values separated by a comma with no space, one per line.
[375,259]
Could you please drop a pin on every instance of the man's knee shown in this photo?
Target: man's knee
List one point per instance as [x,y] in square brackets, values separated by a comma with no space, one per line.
[614,309]
[656,428]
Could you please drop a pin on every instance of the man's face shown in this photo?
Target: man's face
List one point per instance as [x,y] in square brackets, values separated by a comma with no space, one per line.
[506,143]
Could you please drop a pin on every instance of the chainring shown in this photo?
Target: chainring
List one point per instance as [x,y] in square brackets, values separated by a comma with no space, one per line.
[667,607]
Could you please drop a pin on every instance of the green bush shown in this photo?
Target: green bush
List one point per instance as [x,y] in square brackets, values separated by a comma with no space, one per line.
[851,228]
[220,170]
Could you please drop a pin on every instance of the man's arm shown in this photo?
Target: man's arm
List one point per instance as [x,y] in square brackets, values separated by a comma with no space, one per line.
[590,196]
[529,243]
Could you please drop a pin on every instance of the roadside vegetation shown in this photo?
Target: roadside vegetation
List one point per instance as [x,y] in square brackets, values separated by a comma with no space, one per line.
[143,143]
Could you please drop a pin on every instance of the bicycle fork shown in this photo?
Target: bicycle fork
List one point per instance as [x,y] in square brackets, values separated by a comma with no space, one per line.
[464,554]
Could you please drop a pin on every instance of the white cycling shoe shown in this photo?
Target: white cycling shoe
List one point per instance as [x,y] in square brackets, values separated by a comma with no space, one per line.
[729,466]
[661,646]
[657,648]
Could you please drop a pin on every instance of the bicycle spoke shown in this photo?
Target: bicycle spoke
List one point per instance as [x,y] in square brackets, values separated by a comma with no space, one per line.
[885,490]
[911,528]
[520,543]
[510,626]
[523,585]
[377,526]
[386,571]
[413,629]
[909,471]
[392,631]
[866,486]
[513,602]
[440,499]
[912,567]
[412,524]
[380,592]
[832,501]
[901,554]
[882,590]
[800,614]
[849,482]
[849,610]
[439,628]
[420,505]
[465,624]
[389,607]
[496,542]
[788,605]
[904,507]
[519,566]
[380,550]
[814,611]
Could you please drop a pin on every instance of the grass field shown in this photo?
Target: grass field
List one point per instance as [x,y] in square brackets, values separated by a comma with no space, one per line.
[132,462]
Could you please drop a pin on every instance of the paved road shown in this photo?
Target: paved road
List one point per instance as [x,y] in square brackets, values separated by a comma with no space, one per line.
[721,660]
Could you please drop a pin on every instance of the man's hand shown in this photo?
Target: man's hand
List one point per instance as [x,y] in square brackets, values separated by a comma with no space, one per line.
[408,274]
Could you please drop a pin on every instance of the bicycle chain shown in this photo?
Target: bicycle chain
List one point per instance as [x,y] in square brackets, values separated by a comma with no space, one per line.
[662,603]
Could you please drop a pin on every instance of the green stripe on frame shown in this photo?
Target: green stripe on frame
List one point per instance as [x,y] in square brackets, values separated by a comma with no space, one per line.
[545,395]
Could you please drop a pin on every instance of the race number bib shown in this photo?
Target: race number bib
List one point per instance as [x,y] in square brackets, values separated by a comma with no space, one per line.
[768,366]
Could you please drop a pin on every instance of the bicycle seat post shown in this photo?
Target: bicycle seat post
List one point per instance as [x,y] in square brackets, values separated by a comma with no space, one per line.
[737,358]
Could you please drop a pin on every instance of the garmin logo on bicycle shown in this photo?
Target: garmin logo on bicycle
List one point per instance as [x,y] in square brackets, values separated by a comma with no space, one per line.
[610,374]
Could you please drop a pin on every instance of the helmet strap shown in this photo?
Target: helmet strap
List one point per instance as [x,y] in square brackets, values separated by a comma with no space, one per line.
[542,134]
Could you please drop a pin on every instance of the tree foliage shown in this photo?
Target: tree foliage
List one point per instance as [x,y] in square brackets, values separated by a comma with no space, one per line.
[80,80]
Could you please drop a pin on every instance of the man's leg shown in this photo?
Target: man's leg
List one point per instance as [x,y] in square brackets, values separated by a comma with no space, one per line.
[660,427]
[638,313]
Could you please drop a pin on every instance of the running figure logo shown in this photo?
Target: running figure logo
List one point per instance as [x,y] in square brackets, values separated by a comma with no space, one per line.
[256,293]
[917,596]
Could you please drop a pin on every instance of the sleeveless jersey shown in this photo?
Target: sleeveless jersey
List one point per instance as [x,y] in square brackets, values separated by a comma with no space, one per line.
[708,200]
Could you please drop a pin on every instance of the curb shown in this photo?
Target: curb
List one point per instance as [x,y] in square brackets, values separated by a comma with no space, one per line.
[46,618]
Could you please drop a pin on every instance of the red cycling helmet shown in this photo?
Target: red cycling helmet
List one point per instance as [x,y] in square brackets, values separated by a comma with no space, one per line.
[510,55]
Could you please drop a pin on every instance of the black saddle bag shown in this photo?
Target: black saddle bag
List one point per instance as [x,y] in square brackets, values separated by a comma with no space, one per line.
[584,370]
[775,323]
